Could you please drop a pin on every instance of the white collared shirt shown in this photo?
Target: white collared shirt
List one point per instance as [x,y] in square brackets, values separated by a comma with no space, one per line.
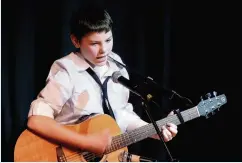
[70,93]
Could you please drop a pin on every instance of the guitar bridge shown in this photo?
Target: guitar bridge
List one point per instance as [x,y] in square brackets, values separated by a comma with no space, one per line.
[60,154]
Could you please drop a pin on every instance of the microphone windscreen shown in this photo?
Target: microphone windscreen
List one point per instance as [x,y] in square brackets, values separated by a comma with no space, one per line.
[115,76]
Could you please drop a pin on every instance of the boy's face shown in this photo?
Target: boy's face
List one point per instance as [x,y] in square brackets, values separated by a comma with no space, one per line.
[95,47]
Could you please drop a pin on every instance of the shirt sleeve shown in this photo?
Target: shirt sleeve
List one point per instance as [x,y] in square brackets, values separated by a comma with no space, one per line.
[128,119]
[126,116]
[53,96]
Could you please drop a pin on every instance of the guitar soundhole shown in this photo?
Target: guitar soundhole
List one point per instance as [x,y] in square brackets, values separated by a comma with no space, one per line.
[90,157]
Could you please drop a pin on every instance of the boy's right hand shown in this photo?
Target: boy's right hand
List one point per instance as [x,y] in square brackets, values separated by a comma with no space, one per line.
[98,142]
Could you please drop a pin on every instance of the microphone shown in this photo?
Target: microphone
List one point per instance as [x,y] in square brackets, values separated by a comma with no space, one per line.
[118,78]
[127,157]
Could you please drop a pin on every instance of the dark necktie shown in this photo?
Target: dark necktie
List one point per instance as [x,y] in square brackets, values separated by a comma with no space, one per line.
[105,102]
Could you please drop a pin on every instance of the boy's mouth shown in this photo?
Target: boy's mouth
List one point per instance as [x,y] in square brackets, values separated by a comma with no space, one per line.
[99,57]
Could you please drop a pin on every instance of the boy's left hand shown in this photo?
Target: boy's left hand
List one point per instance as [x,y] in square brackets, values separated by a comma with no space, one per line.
[169,131]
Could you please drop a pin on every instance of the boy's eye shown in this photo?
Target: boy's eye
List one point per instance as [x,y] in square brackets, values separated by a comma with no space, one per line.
[108,40]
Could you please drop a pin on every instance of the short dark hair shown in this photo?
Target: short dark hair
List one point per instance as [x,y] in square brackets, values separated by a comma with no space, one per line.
[90,19]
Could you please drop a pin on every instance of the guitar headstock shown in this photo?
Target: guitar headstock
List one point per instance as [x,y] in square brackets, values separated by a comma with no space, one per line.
[211,104]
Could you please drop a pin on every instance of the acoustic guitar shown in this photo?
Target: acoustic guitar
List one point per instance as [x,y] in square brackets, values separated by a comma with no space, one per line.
[34,148]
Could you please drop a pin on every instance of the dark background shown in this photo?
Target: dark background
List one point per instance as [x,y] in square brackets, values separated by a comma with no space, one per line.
[189,46]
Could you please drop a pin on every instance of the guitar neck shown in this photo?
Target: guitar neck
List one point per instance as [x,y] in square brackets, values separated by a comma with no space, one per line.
[148,130]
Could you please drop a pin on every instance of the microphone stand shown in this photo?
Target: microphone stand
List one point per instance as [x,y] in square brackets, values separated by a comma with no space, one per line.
[145,103]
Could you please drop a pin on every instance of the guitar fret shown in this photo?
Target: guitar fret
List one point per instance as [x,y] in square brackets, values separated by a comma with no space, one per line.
[124,139]
[127,140]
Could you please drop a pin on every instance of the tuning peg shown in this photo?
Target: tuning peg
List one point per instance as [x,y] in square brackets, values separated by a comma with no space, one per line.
[207,116]
[202,99]
[215,94]
[208,95]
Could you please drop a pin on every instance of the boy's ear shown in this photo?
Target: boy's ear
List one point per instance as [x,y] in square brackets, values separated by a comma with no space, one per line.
[75,41]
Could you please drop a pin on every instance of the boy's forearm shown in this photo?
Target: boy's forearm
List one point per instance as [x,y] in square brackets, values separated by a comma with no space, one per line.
[50,129]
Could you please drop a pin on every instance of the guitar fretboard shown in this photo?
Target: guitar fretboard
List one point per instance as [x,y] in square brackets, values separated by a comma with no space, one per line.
[136,135]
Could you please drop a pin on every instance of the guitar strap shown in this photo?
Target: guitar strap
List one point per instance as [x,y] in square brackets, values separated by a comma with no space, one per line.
[178,113]
[105,102]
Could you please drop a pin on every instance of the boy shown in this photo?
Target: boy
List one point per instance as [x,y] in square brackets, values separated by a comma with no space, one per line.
[72,91]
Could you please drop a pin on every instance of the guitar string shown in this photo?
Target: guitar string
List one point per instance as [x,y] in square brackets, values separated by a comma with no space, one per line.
[76,154]
[117,143]
[79,154]
[150,128]
[76,158]
[168,118]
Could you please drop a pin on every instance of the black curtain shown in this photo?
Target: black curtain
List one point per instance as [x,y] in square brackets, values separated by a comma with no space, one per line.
[187,46]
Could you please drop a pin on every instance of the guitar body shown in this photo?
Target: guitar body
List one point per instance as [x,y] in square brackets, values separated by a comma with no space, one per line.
[34,148]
